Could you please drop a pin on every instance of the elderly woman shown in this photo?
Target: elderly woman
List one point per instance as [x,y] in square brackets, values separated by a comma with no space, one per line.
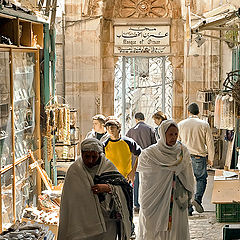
[166,187]
[96,201]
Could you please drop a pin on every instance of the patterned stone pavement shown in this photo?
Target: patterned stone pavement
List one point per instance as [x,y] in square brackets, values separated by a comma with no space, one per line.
[202,226]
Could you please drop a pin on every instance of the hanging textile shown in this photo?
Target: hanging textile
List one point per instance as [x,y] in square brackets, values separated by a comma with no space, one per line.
[224,112]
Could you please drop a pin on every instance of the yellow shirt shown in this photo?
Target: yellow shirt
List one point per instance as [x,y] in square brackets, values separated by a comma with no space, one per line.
[119,152]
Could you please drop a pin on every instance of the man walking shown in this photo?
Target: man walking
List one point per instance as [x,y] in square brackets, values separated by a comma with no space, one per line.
[197,136]
[99,132]
[119,151]
[158,117]
[144,136]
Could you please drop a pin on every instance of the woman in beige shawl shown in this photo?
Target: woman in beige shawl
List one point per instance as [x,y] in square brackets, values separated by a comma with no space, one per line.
[96,202]
[166,187]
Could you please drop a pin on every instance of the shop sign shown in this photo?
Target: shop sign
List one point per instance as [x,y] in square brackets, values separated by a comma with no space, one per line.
[146,40]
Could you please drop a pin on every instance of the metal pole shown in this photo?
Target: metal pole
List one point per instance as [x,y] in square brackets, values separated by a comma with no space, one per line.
[123,94]
[63,56]
[163,84]
[53,73]
[46,89]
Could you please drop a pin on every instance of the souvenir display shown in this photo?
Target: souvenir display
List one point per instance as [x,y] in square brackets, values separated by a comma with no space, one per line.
[58,124]
[22,181]
[5,114]
[224,112]
[27,230]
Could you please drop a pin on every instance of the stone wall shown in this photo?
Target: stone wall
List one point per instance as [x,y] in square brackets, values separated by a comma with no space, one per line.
[90,63]
[89,60]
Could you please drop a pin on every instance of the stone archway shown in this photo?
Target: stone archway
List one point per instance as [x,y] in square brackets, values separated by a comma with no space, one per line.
[147,10]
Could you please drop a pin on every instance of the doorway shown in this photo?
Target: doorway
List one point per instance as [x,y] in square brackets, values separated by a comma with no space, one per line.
[142,84]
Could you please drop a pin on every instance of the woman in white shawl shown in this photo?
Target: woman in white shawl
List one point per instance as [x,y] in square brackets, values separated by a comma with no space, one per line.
[96,202]
[166,187]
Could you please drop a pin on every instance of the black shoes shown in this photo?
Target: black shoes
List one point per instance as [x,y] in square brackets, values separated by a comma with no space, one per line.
[133,236]
[198,206]
[136,210]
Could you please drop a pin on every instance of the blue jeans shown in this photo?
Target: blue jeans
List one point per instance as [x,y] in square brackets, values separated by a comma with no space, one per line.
[200,172]
[136,189]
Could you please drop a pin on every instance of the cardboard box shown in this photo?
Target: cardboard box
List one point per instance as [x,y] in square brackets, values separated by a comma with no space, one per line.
[226,191]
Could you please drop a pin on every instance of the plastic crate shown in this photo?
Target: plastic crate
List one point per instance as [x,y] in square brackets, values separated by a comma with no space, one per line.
[231,232]
[228,212]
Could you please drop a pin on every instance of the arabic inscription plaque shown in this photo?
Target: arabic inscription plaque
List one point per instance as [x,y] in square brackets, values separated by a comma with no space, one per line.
[142,39]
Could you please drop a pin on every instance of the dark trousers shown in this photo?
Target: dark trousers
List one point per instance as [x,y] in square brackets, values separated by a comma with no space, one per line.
[136,189]
[199,165]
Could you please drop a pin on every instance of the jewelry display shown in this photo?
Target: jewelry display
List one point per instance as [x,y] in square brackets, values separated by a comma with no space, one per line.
[17,126]
[58,124]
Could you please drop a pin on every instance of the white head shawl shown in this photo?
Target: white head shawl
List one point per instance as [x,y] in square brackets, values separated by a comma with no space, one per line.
[160,154]
[92,144]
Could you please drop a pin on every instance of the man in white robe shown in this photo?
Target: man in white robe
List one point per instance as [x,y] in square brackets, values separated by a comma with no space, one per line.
[166,187]
[96,200]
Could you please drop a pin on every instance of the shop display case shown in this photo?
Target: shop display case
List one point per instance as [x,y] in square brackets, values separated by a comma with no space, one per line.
[19,131]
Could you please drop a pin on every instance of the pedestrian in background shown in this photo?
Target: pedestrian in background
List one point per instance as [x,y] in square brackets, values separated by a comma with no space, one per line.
[196,134]
[99,131]
[144,136]
[166,187]
[158,117]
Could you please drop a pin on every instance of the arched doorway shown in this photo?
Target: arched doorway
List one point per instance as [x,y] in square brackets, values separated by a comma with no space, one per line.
[142,84]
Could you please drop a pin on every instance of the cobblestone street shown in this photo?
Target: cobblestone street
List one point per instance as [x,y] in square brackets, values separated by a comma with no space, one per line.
[205,226]
[202,226]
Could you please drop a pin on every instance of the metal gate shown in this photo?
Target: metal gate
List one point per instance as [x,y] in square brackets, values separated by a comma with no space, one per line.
[142,84]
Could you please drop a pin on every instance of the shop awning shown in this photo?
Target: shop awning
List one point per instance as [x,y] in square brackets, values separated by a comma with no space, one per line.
[218,19]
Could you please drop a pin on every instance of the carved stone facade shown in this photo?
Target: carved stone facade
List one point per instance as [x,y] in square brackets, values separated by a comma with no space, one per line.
[143,8]
[89,44]
[90,62]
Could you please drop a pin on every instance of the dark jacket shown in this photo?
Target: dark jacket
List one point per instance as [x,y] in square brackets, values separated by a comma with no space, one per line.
[143,134]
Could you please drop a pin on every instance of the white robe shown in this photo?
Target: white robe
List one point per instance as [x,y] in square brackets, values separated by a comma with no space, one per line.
[82,217]
[157,166]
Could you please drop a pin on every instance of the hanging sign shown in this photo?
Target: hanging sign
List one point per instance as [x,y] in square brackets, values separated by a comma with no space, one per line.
[146,40]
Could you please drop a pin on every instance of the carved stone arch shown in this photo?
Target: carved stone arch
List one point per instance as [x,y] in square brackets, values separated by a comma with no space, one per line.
[133,8]
[139,9]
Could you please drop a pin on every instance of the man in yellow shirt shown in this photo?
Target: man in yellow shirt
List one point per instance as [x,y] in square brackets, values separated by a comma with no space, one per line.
[119,150]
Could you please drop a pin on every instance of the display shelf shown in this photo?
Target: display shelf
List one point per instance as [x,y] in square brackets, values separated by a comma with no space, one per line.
[19,105]
[9,31]
[60,144]
[24,99]
[2,138]
[4,103]
[65,159]
[24,129]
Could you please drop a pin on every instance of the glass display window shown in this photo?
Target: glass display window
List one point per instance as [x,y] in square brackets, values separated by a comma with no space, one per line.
[19,131]
[5,114]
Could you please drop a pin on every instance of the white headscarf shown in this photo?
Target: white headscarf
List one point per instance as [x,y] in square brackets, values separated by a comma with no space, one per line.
[92,144]
[162,155]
